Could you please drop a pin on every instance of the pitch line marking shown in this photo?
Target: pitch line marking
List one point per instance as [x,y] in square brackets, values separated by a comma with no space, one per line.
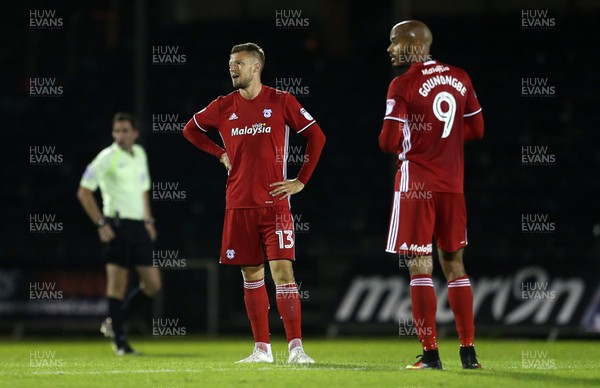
[183,370]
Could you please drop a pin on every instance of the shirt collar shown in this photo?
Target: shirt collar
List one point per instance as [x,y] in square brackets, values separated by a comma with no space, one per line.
[121,150]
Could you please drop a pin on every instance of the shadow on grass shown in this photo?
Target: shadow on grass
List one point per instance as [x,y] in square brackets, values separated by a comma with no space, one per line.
[169,355]
[529,377]
[341,366]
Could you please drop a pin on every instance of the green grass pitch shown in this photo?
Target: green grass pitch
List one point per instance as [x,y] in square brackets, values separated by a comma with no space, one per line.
[198,362]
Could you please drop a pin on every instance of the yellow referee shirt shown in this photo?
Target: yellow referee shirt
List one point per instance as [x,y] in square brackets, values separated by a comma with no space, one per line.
[123,179]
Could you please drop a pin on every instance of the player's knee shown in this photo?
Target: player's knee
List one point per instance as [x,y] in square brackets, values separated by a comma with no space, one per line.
[282,271]
[421,265]
[252,273]
[152,288]
[283,275]
[116,289]
[451,256]
[454,273]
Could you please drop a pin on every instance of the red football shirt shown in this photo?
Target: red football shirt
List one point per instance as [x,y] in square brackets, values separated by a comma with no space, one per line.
[430,102]
[255,134]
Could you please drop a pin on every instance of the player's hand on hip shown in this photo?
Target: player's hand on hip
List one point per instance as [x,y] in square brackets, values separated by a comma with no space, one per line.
[106,233]
[286,188]
[151,229]
[226,162]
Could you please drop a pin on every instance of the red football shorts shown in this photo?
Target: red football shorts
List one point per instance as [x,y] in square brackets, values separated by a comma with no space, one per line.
[251,236]
[419,216]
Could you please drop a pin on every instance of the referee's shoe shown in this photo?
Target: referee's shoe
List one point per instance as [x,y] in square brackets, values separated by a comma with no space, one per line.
[124,349]
[107,329]
[121,348]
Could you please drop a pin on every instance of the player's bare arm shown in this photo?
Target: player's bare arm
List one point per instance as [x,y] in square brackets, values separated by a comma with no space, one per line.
[86,197]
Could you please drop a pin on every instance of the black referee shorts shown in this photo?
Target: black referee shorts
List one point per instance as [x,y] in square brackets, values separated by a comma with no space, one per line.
[131,246]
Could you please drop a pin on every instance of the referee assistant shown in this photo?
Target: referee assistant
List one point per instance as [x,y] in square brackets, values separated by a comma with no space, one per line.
[125,225]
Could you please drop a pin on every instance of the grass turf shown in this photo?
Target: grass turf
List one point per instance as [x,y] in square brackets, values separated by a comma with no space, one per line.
[198,362]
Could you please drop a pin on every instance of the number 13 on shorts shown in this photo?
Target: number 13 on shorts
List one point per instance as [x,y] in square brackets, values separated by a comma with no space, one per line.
[286,238]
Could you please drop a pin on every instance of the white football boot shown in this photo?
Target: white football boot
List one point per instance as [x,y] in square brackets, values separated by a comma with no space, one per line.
[297,356]
[258,355]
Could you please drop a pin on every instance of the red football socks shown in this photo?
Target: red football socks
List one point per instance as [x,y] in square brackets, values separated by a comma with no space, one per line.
[288,304]
[460,297]
[257,307]
[424,306]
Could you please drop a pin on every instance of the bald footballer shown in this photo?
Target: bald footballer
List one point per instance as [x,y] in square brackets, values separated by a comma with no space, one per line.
[431,110]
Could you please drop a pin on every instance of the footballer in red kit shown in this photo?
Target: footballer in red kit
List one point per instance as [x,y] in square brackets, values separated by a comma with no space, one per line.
[431,110]
[254,123]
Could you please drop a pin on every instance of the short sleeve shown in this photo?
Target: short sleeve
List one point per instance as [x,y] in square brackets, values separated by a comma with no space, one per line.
[95,171]
[208,118]
[472,106]
[146,181]
[295,115]
[395,104]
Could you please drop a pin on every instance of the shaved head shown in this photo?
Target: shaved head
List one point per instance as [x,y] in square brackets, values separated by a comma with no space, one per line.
[414,31]
[410,41]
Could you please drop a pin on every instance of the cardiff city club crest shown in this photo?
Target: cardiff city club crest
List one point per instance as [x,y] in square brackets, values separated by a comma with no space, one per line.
[267,113]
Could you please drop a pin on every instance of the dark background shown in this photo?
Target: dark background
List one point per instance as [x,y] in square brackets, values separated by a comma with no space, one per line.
[342,58]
